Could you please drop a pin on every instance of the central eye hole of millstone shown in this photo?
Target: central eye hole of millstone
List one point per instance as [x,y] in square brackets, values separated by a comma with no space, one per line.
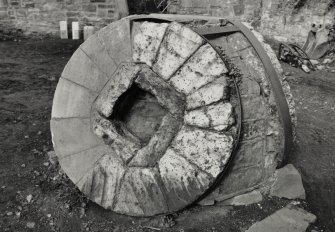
[139,111]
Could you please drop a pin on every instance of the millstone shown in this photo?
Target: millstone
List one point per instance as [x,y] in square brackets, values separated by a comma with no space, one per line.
[144,117]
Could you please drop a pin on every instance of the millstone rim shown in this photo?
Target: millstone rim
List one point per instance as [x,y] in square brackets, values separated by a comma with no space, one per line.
[201,139]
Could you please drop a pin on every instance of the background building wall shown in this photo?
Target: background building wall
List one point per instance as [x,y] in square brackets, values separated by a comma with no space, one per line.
[43,16]
[286,20]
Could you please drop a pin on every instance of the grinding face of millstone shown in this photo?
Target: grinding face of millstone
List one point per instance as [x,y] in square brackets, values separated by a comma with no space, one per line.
[192,142]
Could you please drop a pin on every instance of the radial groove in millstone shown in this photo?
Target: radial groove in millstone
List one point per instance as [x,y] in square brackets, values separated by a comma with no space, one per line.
[80,69]
[178,44]
[147,40]
[69,105]
[202,68]
[103,156]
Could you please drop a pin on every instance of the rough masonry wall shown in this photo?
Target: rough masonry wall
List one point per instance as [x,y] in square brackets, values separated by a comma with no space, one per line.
[43,16]
[286,20]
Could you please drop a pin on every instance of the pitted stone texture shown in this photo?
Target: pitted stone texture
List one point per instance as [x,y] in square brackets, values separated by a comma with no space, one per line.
[217,116]
[213,92]
[178,45]
[202,68]
[208,150]
[147,39]
[177,163]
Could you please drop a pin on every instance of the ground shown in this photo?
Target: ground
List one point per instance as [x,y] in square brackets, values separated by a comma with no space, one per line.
[36,196]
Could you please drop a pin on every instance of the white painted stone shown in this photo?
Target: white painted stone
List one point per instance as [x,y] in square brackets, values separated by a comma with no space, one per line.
[208,150]
[207,94]
[288,219]
[203,67]
[178,45]
[147,41]
[196,118]
[288,184]
[245,199]
[221,115]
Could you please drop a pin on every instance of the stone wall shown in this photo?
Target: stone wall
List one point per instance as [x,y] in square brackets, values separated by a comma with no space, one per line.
[43,16]
[285,20]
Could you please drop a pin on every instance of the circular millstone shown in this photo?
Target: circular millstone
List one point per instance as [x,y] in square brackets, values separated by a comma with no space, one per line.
[142,120]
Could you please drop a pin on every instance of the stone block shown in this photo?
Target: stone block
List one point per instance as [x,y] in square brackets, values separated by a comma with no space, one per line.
[72,100]
[72,135]
[116,40]
[207,150]
[147,38]
[178,45]
[288,184]
[82,71]
[204,67]
[287,219]
[97,53]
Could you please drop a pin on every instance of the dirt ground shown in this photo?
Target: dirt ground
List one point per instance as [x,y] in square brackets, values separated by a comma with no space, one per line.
[36,196]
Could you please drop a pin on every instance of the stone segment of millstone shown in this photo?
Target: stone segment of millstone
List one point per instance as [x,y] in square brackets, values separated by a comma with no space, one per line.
[197,118]
[166,95]
[72,135]
[140,193]
[116,39]
[217,116]
[147,38]
[72,100]
[122,79]
[203,67]
[220,115]
[208,150]
[213,92]
[178,44]
[77,165]
[184,182]
[149,155]
[94,49]
[81,70]
[102,183]
[250,151]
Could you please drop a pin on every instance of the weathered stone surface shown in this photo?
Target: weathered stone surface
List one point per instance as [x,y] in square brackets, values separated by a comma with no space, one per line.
[141,193]
[288,219]
[183,181]
[221,116]
[102,183]
[245,199]
[81,70]
[95,50]
[72,135]
[197,118]
[116,39]
[72,100]
[209,151]
[177,46]
[118,84]
[208,94]
[77,165]
[288,184]
[147,39]
[203,67]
